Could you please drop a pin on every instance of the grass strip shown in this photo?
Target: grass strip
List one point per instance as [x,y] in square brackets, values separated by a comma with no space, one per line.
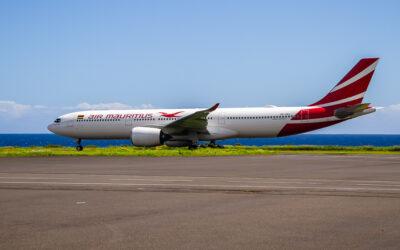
[162,151]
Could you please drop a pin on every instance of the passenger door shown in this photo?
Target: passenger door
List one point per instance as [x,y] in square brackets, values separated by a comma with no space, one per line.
[305,114]
[69,124]
[128,122]
[221,120]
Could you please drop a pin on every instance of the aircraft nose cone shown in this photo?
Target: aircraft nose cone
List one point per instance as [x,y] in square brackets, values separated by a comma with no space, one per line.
[50,128]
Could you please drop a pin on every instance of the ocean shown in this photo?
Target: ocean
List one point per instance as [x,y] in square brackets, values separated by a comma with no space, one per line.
[26,140]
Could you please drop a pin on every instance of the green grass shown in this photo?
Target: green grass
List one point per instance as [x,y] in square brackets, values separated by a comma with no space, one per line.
[53,150]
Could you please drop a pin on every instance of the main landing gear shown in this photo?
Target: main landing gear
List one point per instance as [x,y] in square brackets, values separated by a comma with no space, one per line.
[79,145]
[193,145]
[213,144]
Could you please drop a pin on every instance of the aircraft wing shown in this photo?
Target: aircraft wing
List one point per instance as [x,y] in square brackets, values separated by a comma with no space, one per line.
[196,122]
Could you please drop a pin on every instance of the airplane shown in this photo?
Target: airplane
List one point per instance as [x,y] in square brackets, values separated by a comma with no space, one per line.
[186,127]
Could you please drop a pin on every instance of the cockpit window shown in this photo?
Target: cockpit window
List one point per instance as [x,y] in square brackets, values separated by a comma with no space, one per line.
[58,120]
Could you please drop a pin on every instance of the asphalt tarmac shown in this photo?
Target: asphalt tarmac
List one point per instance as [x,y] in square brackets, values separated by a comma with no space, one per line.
[251,202]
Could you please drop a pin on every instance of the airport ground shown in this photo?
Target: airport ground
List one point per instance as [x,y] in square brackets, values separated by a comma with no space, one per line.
[247,202]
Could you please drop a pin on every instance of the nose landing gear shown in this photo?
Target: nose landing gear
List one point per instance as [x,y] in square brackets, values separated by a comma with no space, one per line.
[79,145]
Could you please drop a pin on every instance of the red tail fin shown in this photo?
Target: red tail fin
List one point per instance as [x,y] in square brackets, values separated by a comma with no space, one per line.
[351,89]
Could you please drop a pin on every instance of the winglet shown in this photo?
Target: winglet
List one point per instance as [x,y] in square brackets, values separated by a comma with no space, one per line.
[213,107]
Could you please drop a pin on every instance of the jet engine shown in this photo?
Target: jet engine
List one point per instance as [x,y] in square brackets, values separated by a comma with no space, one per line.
[147,137]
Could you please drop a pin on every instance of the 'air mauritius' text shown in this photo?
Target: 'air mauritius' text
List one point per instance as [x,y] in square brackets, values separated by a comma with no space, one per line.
[122,116]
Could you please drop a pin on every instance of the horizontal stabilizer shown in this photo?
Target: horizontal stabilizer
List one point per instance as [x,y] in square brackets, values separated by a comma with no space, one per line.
[354,110]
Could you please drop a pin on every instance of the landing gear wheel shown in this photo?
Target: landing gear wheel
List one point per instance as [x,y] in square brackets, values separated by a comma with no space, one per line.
[193,146]
[79,146]
[213,144]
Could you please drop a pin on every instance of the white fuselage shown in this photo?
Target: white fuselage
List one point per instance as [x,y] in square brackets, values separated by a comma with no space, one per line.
[169,126]
[222,123]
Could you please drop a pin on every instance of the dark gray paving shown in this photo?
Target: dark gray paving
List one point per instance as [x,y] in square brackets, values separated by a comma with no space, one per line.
[195,203]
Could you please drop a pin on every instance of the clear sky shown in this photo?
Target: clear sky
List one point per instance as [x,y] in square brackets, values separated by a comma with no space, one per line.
[60,56]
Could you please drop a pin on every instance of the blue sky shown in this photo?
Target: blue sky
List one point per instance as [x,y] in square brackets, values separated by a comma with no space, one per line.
[62,56]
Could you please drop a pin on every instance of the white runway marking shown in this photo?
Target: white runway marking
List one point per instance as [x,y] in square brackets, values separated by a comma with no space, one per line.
[35,178]
[149,179]
[376,184]
[231,187]
[277,182]
[200,178]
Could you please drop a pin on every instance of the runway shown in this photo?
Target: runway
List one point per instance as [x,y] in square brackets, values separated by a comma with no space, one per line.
[283,201]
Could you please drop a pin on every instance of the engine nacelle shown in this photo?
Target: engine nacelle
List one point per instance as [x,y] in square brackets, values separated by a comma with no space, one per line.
[147,137]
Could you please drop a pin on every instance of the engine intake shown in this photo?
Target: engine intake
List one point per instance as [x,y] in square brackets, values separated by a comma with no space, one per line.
[147,137]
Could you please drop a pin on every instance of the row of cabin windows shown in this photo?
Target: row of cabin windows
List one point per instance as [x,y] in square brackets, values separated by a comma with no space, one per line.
[260,117]
[209,118]
[167,119]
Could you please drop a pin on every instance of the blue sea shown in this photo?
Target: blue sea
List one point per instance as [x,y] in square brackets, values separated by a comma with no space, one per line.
[26,140]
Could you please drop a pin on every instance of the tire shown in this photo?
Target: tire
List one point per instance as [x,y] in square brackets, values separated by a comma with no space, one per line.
[79,148]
